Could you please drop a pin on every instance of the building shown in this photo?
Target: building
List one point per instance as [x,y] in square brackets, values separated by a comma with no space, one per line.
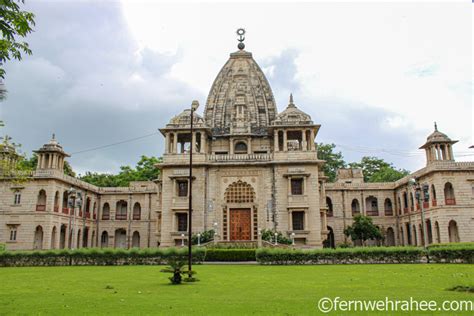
[254,168]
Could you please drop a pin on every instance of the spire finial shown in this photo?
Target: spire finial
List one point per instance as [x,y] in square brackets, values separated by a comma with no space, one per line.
[436,126]
[291,98]
[54,136]
[241,33]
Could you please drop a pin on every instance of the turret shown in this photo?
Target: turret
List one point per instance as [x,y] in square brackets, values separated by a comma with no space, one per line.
[438,147]
[51,156]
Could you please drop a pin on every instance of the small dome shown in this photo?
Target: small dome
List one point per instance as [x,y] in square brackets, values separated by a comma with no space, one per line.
[52,146]
[292,116]
[437,138]
[184,120]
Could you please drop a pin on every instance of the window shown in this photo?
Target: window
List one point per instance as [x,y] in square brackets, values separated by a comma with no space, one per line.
[17,198]
[240,148]
[296,186]
[121,211]
[182,187]
[137,210]
[12,233]
[298,220]
[239,192]
[106,211]
[182,219]
[330,211]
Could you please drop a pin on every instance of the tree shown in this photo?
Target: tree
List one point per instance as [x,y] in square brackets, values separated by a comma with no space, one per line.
[363,229]
[334,160]
[378,170]
[14,24]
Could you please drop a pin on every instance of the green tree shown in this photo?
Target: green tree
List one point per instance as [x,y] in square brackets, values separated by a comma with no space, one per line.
[378,170]
[363,229]
[14,24]
[334,160]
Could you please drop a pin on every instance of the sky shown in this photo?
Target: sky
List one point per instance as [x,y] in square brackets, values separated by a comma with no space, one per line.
[376,75]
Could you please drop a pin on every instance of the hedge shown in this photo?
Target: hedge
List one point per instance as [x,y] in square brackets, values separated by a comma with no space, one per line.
[452,254]
[342,255]
[95,256]
[230,255]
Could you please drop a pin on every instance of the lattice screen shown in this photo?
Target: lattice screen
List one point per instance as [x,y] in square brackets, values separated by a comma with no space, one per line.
[239,192]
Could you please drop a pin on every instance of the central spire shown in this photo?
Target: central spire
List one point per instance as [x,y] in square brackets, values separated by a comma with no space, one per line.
[241,39]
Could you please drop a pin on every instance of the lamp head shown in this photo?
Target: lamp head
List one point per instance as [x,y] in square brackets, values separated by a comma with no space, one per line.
[194,105]
[412,181]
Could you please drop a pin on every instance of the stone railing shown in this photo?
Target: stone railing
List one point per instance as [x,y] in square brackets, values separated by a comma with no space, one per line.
[240,157]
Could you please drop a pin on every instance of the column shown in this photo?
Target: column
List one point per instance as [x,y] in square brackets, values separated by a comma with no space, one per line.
[312,139]
[451,155]
[231,146]
[304,143]
[203,142]
[175,143]
[193,142]
[275,141]
[40,161]
[249,145]
[167,143]
[438,152]
[285,141]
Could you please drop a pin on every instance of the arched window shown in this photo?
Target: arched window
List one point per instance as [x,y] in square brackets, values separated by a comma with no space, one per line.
[399,206]
[371,206]
[121,211]
[38,241]
[405,203]
[94,210]
[355,206]
[412,202]
[65,204]
[136,240]
[17,198]
[453,231]
[240,148]
[390,237]
[388,207]
[433,196]
[88,207]
[41,203]
[104,239]
[120,238]
[137,211]
[330,212]
[415,240]
[437,232]
[56,202]
[106,211]
[53,238]
[239,192]
[449,194]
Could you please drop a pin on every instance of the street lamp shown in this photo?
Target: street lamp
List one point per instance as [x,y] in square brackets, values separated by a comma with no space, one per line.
[74,200]
[182,240]
[199,239]
[418,189]
[276,239]
[194,107]
[293,239]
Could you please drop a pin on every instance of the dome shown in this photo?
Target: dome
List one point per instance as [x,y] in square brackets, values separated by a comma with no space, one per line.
[293,116]
[52,146]
[240,100]
[437,137]
[184,120]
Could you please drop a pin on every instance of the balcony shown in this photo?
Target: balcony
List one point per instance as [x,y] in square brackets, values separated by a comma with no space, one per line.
[450,201]
[65,210]
[372,212]
[105,217]
[240,157]
[136,217]
[121,217]
[40,208]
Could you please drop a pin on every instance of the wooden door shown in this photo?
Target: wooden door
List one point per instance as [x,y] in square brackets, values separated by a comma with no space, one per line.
[240,224]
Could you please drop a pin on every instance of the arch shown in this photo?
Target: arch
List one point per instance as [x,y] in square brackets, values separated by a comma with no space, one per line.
[412,202]
[372,207]
[41,202]
[390,237]
[449,198]
[136,239]
[422,236]
[56,202]
[453,231]
[120,238]
[405,202]
[433,195]
[121,210]
[85,237]
[388,207]
[438,235]
[137,211]
[104,239]
[88,207]
[65,204]
[408,232]
[106,211]
[415,240]
[93,238]
[429,232]
[330,241]
[38,239]
[94,210]
[330,211]
[239,192]
[62,237]
[53,238]
[402,236]
[240,147]
[78,240]
[355,207]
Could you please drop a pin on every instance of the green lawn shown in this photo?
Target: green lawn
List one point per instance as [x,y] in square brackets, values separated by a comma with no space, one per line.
[223,289]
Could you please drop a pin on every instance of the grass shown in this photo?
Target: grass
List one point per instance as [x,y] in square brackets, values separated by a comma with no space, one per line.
[223,289]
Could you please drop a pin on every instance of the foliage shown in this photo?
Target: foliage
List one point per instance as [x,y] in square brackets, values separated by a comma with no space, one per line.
[269,235]
[96,256]
[14,23]
[334,160]
[230,255]
[232,245]
[144,171]
[177,266]
[378,170]
[206,237]
[455,253]
[363,229]
[453,245]
[341,255]
[2,247]
[31,163]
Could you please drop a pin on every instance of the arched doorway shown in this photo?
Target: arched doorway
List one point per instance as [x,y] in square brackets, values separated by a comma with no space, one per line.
[438,235]
[415,240]
[136,240]
[429,231]
[390,238]
[104,239]
[78,240]
[240,210]
[62,237]
[38,241]
[53,238]
[120,238]
[453,231]
[85,237]
[329,242]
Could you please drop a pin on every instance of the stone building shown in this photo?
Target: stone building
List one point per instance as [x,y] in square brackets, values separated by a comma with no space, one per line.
[253,169]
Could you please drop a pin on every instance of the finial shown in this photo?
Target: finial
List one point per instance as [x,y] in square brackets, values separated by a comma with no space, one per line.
[436,127]
[291,98]
[241,33]
[54,136]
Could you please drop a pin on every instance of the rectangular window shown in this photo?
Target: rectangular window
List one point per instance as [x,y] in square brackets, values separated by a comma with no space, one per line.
[182,187]
[12,233]
[17,198]
[182,219]
[296,186]
[298,220]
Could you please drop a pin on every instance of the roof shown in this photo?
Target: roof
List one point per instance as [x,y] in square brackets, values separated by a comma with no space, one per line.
[293,116]
[52,146]
[437,138]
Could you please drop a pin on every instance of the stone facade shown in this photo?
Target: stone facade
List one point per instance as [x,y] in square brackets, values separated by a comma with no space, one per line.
[253,169]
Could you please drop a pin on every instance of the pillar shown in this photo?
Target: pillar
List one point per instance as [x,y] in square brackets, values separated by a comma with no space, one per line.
[249,145]
[451,155]
[203,143]
[175,143]
[231,146]
[275,141]
[285,141]
[304,143]
[193,142]
[167,143]
[312,140]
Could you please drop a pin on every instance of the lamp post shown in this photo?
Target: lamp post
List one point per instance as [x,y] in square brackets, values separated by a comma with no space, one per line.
[276,239]
[74,200]
[199,239]
[293,239]
[182,240]
[194,106]
[417,187]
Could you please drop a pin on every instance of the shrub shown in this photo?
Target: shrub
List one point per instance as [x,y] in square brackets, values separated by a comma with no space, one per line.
[230,255]
[452,254]
[206,237]
[2,247]
[269,235]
